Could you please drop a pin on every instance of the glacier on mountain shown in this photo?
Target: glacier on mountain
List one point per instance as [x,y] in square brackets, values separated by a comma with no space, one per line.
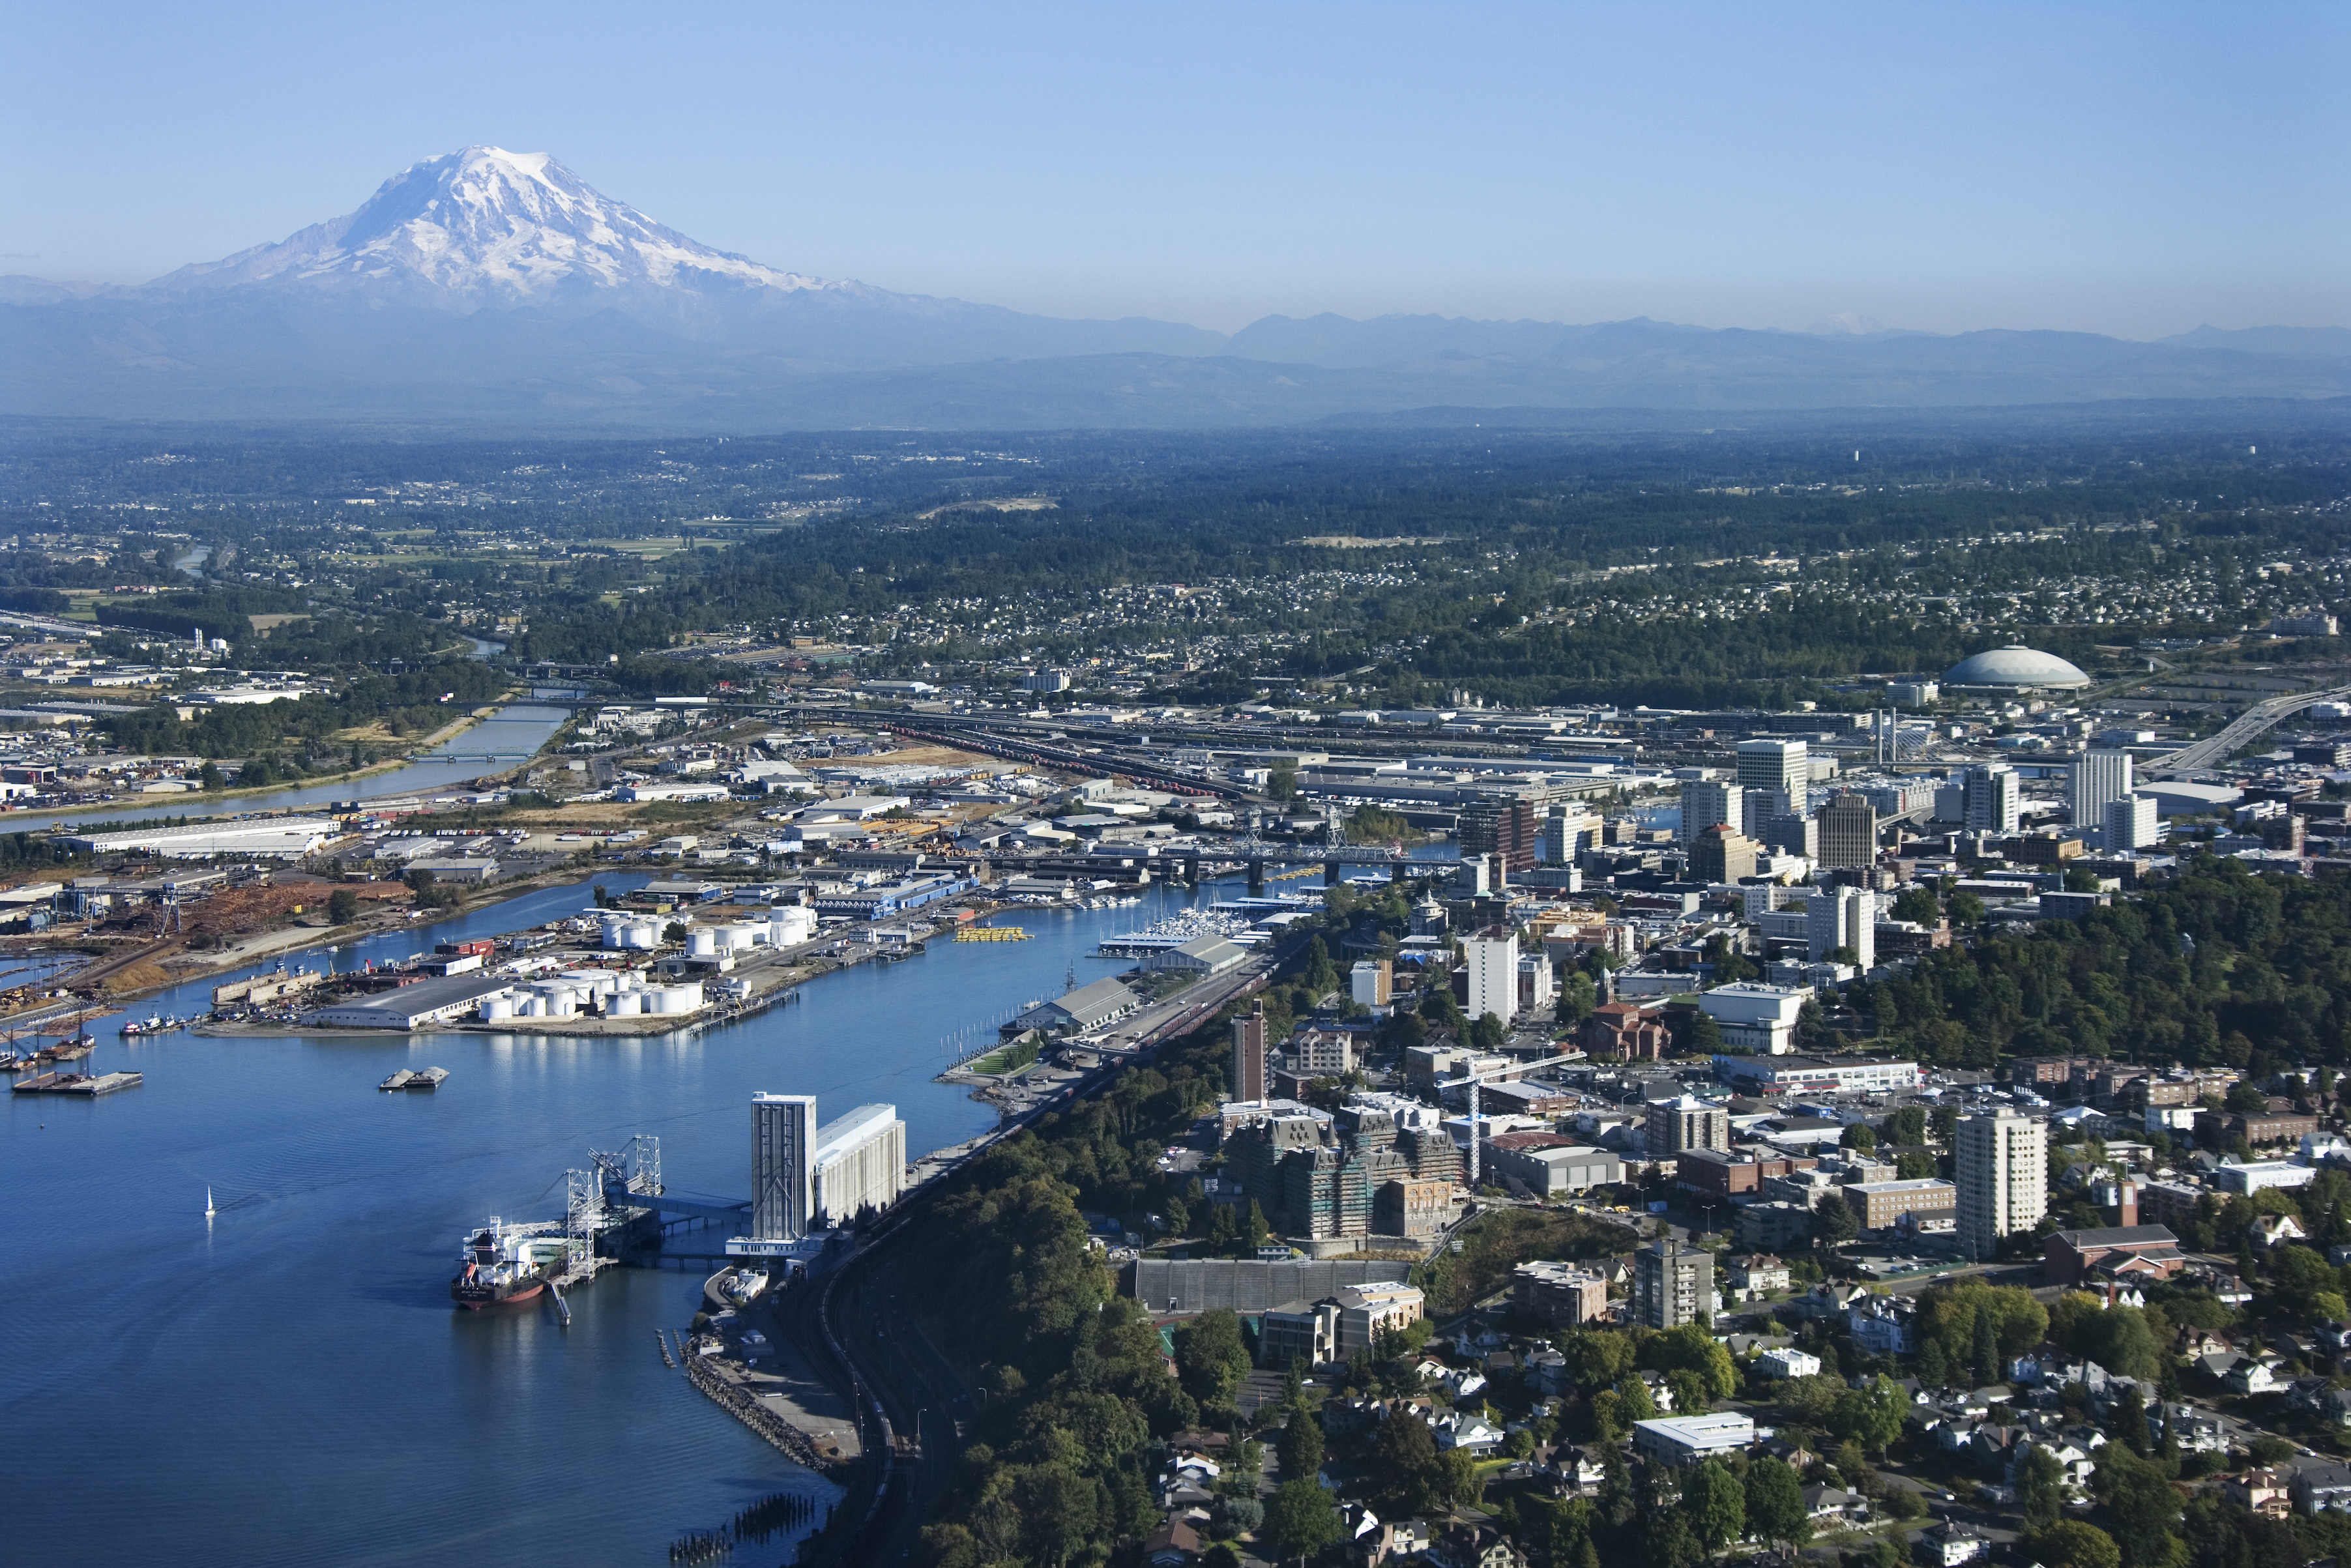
[483,227]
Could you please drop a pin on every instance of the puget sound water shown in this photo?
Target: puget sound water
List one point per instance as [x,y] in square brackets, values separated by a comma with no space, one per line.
[290,1385]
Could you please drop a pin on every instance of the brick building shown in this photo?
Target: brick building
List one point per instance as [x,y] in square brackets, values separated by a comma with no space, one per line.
[1622,1029]
[2138,1252]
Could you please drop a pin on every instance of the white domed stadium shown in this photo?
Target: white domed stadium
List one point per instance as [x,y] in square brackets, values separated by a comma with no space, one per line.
[2019,668]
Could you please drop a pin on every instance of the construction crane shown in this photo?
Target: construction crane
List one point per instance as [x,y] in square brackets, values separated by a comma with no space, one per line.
[1471,1081]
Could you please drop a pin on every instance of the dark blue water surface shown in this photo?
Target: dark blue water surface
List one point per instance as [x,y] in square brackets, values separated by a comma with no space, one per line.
[291,1385]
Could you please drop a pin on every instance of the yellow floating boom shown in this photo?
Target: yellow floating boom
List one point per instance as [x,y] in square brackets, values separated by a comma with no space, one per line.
[991,933]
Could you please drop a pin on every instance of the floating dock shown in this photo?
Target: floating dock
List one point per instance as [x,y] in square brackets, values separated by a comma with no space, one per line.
[81,1083]
[991,933]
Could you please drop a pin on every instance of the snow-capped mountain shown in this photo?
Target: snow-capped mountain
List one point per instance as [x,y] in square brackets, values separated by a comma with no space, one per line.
[492,284]
[486,227]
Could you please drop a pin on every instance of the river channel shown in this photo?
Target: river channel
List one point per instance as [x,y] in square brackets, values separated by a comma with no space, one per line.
[289,1383]
[510,737]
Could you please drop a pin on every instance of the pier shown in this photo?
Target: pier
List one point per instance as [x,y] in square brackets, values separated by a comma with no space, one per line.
[82,1083]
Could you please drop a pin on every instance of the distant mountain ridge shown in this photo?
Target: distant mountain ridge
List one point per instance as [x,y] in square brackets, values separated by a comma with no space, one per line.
[484,283]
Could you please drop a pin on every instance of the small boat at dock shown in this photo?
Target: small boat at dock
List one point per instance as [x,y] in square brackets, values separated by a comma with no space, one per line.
[397,1081]
[430,1078]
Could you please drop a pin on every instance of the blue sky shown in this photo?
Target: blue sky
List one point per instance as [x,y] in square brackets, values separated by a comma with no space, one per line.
[2127,169]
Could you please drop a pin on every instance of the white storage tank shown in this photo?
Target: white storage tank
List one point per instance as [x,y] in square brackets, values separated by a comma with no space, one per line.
[641,934]
[614,927]
[494,1007]
[683,998]
[627,1004]
[703,943]
[790,924]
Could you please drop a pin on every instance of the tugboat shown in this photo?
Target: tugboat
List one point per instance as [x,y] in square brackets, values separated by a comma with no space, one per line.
[497,1268]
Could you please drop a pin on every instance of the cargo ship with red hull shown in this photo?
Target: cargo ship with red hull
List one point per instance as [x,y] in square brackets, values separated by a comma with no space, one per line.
[500,1264]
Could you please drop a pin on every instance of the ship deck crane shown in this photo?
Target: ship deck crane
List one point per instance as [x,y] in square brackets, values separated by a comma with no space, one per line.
[1471,1081]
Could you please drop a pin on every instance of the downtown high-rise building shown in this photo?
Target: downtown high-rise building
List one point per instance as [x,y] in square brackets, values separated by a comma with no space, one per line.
[2095,781]
[1248,1055]
[1994,799]
[2003,1178]
[1720,855]
[1705,804]
[1491,958]
[1774,777]
[1506,829]
[2132,822]
[1669,1126]
[1843,917]
[1848,830]
[1566,834]
[1673,1284]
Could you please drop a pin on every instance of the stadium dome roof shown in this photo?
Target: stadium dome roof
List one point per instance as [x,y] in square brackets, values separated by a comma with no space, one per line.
[2015,667]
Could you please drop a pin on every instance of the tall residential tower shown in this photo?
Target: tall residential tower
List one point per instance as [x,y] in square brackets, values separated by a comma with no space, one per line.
[2003,1171]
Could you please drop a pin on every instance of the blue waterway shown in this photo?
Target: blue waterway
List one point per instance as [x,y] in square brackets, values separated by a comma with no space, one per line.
[291,1385]
[513,735]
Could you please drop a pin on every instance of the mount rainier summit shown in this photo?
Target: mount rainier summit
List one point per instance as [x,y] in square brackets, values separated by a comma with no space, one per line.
[490,288]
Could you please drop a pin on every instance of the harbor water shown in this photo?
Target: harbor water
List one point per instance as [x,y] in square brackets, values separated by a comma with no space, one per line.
[291,1384]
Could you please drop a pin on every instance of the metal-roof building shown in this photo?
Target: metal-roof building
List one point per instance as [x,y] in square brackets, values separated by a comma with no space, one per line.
[1200,955]
[406,1006]
[1088,1006]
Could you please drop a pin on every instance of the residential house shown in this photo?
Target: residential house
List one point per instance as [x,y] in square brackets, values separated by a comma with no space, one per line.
[2267,1493]
[1368,1547]
[1172,1545]
[1474,1433]
[2272,1230]
[1787,1361]
[1832,1505]
[1882,1324]
[2251,1376]
[1473,1546]
[2321,1486]
[1950,1544]
[2195,1431]
[1757,1275]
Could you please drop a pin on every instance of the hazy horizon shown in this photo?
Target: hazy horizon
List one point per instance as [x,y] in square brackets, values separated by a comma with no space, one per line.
[2130,171]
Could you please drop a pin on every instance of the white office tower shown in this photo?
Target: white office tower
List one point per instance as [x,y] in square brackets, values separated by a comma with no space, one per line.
[1567,832]
[1491,958]
[1704,804]
[2003,1160]
[1995,799]
[1842,917]
[2132,822]
[1775,777]
[783,1166]
[860,1163]
[2095,781]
